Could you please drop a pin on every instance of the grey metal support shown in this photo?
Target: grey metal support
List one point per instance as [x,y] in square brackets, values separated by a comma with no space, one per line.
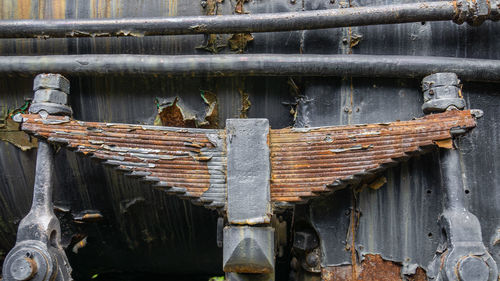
[462,254]
[248,252]
[38,254]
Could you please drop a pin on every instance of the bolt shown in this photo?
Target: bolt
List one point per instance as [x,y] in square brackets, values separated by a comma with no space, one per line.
[51,94]
[23,268]
[293,1]
[312,259]
[473,268]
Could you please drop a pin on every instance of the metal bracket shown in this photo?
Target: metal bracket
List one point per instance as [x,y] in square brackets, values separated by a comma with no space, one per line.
[248,249]
[462,254]
[38,254]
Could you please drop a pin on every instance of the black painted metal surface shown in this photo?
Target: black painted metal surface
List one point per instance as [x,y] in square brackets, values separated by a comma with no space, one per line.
[144,230]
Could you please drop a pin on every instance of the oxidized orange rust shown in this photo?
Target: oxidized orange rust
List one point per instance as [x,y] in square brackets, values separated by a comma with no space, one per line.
[305,162]
[171,156]
[373,268]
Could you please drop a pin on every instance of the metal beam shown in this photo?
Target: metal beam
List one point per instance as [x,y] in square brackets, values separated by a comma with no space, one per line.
[254,65]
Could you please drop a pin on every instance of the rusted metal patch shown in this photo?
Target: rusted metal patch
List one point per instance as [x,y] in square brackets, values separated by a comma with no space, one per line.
[373,268]
[173,112]
[178,160]
[310,161]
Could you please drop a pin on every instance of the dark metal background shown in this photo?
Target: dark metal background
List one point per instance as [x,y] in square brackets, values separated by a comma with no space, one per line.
[145,230]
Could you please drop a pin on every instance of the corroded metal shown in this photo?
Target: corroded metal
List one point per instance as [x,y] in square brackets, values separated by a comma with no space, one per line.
[308,162]
[373,268]
[304,162]
[186,162]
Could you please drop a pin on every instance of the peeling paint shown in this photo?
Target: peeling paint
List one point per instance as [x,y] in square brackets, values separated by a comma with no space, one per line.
[239,9]
[88,216]
[245,104]
[447,143]
[173,113]
[378,183]
[239,41]
[10,130]
[213,42]
[211,119]
[80,244]
[355,39]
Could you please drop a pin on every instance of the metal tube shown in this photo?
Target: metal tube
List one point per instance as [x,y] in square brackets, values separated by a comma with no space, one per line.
[358,16]
[254,65]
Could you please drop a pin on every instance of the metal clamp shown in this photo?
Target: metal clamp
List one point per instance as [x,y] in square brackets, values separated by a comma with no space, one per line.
[38,254]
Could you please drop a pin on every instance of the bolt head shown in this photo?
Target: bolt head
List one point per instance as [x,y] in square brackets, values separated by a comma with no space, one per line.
[473,269]
[312,259]
[23,268]
[51,81]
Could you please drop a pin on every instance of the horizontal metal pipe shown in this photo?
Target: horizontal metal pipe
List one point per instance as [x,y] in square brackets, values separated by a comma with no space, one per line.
[358,16]
[254,65]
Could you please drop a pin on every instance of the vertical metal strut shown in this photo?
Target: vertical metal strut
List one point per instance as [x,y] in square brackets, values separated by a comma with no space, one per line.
[462,254]
[38,254]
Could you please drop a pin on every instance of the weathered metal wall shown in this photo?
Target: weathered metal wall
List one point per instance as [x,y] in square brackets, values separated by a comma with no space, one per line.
[145,230]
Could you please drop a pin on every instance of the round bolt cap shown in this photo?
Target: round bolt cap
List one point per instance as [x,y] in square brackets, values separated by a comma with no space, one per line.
[312,259]
[473,269]
[23,269]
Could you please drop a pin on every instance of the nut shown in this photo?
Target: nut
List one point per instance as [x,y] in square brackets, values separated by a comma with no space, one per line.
[51,96]
[51,81]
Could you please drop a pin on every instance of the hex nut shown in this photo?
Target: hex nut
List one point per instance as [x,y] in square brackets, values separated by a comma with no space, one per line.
[440,79]
[51,96]
[305,240]
[51,81]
